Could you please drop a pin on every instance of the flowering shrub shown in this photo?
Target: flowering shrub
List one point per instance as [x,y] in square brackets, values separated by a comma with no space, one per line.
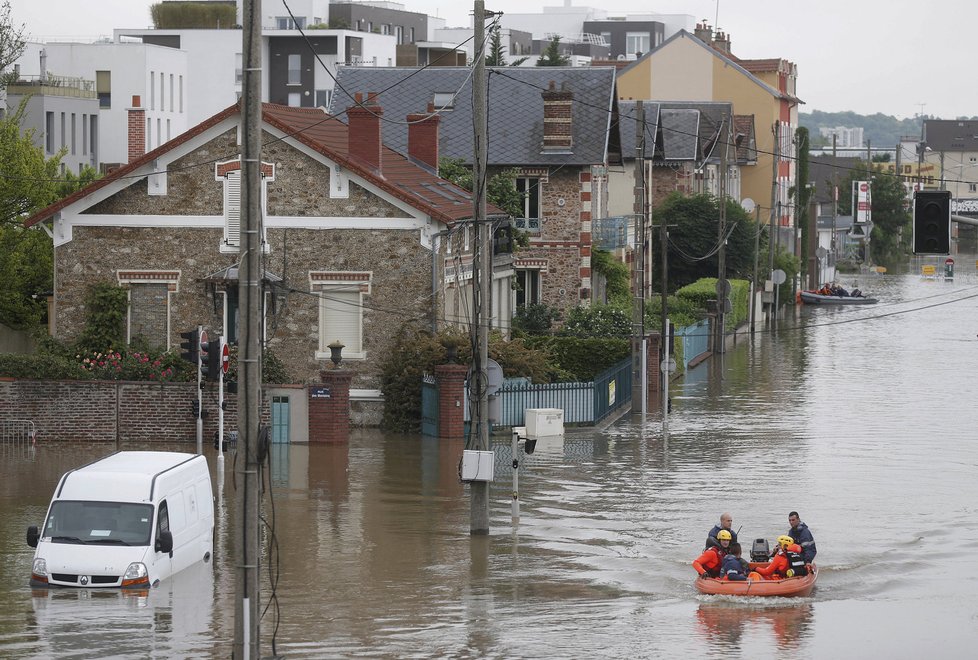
[134,365]
[598,321]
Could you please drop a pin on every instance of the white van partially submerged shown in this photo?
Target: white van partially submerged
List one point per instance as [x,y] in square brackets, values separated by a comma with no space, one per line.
[127,520]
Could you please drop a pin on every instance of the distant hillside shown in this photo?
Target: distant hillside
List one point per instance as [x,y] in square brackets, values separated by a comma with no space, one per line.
[882,130]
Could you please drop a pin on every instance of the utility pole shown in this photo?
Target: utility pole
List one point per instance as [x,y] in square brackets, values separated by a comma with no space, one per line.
[638,271]
[774,199]
[835,206]
[481,273]
[868,229]
[796,244]
[247,496]
[722,290]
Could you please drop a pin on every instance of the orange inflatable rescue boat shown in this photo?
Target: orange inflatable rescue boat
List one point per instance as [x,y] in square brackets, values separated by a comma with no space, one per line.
[794,586]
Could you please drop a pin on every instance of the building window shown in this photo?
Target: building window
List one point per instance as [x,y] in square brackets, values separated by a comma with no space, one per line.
[295,69]
[295,100]
[231,316]
[63,130]
[73,140]
[152,90]
[527,287]
[149,305]
[167,130]
[84,125]
[529,189]
[399,34]
[412,36]
[973,187]
[286,22]
[323,97]
[159,131]
[341,310]
[443,100]
[385,29]
[229,172]
[103,88]
[636,43]
[171,92]
[49,132]
[181,94]
[93,139]
[607,37]
[238,68]
[162,98]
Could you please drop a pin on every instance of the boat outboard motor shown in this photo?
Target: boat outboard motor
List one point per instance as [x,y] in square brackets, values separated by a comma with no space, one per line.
[760,551]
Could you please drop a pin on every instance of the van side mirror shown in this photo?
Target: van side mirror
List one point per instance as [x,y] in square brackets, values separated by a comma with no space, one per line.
[164,542]
[32,536]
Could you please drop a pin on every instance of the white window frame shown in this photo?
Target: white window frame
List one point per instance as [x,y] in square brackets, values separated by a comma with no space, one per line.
[169,277]
[341,292]
[634,42]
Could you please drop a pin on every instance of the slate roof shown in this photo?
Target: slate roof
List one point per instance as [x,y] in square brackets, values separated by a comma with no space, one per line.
[326,135]
[951,134]
[515,109]
[687,129]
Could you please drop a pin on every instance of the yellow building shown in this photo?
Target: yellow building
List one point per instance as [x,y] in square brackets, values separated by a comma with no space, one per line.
[700,67]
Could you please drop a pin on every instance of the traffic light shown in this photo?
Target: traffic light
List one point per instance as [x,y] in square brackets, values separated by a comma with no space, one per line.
[211,358]
[932,222]
[195,407]
[190,346]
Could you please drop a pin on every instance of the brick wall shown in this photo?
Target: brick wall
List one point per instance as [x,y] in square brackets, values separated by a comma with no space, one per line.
[115,412]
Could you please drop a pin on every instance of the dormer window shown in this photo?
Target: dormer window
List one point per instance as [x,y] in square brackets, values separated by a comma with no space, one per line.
[444,100]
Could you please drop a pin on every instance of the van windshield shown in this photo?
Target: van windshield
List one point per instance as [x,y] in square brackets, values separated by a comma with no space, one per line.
[99,523]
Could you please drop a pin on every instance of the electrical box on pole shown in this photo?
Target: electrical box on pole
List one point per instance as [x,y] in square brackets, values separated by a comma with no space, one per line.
[932,222]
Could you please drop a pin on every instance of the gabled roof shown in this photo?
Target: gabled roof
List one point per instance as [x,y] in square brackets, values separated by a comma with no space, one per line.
[326,135]
[515,109]
[729,60]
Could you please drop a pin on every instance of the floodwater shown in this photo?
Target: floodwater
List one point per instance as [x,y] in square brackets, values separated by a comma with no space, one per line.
[861,418]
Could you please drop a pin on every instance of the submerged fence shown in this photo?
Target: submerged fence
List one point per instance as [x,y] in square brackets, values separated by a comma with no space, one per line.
[582,403]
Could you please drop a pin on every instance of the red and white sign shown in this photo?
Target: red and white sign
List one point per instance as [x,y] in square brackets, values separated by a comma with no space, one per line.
[863,187]
[203,339]
[949,261]
[225,358]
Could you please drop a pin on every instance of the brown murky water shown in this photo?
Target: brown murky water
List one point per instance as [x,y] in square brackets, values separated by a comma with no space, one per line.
[866,425]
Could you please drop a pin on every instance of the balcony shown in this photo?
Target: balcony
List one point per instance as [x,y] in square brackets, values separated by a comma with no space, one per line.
[53,86]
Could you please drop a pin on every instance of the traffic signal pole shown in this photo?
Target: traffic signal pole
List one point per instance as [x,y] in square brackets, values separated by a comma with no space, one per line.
[200,401]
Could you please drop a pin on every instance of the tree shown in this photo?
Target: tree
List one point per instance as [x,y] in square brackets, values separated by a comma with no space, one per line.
[693,247]
[551,56]
[500,191]
[891,235]
[12,42]
[30,183]
[497,52]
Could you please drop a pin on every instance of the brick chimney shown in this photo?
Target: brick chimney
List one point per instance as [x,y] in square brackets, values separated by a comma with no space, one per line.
[722,42]
[423,137]
[137,130]
[704,32]
[557,118]
[364,134]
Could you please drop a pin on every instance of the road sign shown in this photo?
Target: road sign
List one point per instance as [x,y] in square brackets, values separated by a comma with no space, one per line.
[668,365]
[203,340]
[778,276]
[225,358]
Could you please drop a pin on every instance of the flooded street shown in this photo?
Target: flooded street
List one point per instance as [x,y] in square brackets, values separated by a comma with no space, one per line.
[861,418]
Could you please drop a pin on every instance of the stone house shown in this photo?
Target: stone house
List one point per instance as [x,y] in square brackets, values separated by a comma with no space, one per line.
[553,126]
[355,235]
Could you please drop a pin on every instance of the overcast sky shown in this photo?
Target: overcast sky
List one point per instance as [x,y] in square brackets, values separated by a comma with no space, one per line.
[898,57]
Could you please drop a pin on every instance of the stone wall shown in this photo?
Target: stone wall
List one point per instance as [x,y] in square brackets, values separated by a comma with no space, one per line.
[400,265]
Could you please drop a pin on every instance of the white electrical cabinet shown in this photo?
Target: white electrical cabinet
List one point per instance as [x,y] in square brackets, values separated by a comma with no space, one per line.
[544,422]
[478,465]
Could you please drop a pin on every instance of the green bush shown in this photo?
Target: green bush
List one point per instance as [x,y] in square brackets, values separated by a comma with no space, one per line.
[536,319]
[617,276]
[41,366]
[705,289]
[682,312]
[576,359]
[106,308]
[598,321]
[135,365]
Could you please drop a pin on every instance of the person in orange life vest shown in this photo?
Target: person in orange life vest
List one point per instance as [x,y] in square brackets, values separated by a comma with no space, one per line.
[787,561]
[708,564]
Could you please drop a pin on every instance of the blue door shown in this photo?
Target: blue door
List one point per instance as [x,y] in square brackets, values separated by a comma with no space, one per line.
[280,420]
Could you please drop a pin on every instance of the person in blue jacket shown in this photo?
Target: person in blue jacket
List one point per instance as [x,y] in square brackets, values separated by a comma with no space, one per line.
[733,567]
[726,521]
[803,536]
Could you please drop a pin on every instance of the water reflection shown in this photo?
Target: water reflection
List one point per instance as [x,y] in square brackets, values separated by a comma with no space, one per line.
[725,623]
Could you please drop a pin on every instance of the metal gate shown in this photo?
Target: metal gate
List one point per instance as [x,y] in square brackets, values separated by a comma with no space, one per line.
[17,437]
[429,406]
[280,420]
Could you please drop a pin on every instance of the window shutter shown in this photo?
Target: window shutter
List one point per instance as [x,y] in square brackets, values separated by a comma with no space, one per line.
[232,208]
[341,318]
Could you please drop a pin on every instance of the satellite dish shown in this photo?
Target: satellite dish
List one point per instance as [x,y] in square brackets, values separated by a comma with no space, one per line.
[748,204]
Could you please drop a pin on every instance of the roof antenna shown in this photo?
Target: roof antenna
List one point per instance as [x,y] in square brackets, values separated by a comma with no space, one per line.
[716,18]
